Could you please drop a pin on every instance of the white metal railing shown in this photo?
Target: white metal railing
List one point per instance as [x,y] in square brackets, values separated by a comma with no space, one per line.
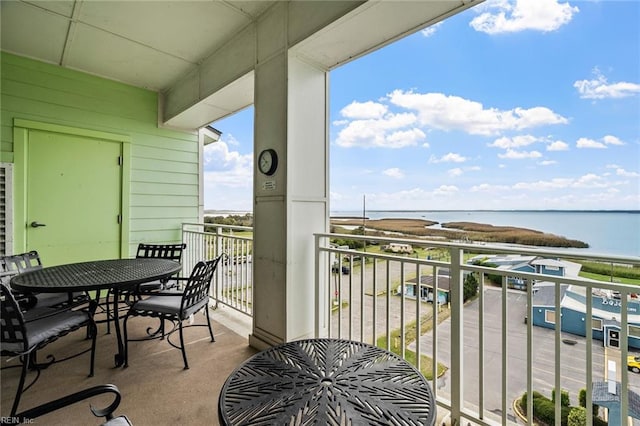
[233,284]
[481,356]
[489,347]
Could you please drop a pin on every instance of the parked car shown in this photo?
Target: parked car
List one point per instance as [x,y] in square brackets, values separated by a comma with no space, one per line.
[633,363]
[345,269]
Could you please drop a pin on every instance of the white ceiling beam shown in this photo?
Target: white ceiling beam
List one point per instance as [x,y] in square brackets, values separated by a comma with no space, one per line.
[73,24]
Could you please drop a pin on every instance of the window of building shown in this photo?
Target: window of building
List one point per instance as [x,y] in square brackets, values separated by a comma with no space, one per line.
[596,324]
[550,316]
[634,331]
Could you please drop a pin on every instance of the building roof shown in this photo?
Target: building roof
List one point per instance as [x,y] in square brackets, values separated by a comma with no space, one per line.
[545,296]
[548,262]
[444,283]
[601,396]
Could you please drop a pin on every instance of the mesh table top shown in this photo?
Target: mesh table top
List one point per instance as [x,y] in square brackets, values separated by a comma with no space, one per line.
[94,275]
[326,381]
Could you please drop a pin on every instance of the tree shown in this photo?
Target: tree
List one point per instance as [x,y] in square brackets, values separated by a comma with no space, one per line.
[470,287]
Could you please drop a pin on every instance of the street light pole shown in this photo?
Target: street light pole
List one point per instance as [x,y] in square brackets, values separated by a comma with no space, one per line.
[364,221]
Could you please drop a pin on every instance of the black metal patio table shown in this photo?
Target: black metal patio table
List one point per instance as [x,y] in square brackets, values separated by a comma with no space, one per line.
[97,275]
[326,381]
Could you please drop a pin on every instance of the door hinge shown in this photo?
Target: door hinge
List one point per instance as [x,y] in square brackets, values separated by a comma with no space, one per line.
[119,219]
[120,160]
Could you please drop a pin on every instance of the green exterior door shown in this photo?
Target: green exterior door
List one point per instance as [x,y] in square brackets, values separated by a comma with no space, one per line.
[74,189]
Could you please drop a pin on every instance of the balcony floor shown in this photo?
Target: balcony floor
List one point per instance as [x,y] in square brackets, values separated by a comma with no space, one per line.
[155,388]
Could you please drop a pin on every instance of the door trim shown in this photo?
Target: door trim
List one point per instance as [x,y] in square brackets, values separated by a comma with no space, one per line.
[21,128]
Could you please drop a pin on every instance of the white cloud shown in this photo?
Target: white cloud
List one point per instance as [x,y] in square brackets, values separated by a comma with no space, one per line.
[403,138]
[601,144]
[537,15]
[455,172]
[624,173]
[514,142]
[455,113]
[218,158]
[612,140]
[599,87]
[512,154]
[431,30]
[446,190]
[542,185]
[364,110]
[558,146]
[394,172]
[589,143]
[587,181]
[547,162]
[373,132]
[228,177]
[448,158]
[590,180]
[485,187]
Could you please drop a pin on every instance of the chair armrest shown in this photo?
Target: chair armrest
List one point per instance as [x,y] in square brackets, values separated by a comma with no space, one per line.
[51,312]
[48,407]
[166,293]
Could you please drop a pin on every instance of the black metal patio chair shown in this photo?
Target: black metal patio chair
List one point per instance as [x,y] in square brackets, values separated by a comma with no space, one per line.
[159,251]
[176,306]
[129,295]
[22,338]
[35,303]
[29,416]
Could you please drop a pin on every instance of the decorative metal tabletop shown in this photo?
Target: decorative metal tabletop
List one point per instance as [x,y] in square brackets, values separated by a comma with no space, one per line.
[99,274]
[326,381]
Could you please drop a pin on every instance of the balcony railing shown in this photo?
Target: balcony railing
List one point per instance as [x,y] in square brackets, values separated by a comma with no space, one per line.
[481,354]
[233,283]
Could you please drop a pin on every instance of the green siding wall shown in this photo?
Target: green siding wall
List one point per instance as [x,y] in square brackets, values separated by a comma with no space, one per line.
[164,163]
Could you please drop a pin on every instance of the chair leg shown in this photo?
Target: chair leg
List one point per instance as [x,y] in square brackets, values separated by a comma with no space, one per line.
[108,310]
[182,347]
[94,333]
[23,376]
[206,310]
[126,343]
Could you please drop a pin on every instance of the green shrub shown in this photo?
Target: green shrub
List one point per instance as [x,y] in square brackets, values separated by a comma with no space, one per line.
[582,400]
[564,397]
[523,400]
[577,417]
[544,410]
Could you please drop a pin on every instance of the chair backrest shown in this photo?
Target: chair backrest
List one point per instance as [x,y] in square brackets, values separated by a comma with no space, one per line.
[14,264]
[162,251]
[197,289]
[5,272]
[12,328]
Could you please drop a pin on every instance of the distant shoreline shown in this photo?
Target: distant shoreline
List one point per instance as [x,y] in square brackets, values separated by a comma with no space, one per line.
[333,214]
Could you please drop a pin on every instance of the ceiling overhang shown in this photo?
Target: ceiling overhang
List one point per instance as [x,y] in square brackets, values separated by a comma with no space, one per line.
[199,55]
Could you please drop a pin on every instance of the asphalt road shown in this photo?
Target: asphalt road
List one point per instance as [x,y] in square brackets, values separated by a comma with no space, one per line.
[572,356]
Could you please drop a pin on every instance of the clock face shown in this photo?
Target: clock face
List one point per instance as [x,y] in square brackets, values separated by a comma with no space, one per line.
[268,161]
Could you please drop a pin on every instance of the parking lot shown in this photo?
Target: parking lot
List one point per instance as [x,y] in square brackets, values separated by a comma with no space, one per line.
[572,355]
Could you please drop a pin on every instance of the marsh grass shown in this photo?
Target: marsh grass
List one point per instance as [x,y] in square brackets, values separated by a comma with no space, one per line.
[465,231]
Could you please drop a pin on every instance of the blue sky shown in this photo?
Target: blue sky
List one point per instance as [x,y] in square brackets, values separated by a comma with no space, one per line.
[528,104]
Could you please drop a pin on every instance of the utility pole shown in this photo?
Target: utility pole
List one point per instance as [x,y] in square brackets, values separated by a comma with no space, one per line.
[364,221]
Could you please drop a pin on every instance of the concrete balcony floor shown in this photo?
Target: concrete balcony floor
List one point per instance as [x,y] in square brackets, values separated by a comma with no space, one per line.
[155,388]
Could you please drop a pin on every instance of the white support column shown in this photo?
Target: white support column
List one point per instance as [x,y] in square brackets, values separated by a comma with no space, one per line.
[293,203]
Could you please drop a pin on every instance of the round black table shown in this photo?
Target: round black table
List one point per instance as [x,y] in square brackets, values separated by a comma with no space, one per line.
[326,381]
[97,275]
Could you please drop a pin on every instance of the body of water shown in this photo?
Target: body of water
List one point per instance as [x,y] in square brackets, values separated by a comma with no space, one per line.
[606,232]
